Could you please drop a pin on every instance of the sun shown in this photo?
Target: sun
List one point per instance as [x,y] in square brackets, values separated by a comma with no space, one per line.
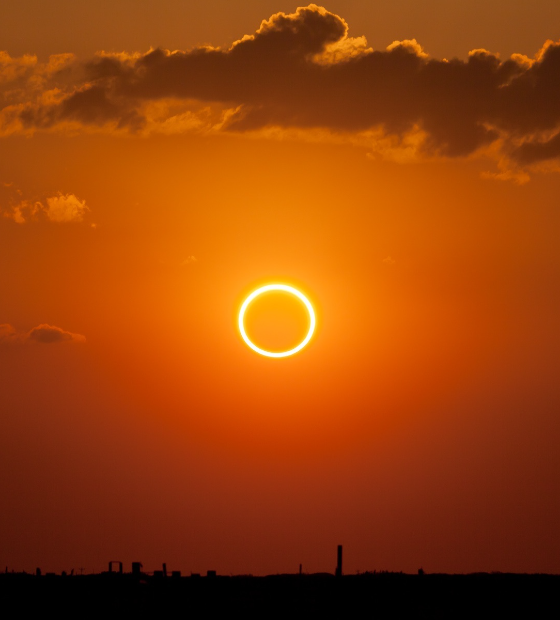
[287,289]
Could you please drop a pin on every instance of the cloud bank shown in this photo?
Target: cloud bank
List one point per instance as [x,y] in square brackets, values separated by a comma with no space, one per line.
[301,71]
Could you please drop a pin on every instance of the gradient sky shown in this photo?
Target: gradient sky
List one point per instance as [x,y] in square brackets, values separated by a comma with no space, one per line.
[391,159]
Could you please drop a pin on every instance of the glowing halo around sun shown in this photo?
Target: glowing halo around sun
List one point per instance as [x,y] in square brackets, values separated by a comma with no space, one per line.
[286,289]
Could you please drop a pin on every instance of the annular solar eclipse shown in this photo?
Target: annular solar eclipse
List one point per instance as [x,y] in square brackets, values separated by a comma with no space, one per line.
[287,289]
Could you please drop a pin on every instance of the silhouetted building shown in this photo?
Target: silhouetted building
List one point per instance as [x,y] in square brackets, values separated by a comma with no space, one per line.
[338,571]
[115,562]
[164,569]
[210,573]
[136,568]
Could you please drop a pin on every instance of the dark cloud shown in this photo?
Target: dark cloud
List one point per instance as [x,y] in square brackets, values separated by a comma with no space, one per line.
[44,334]
[91,105]
[303,71]
[530,152]
[48,334]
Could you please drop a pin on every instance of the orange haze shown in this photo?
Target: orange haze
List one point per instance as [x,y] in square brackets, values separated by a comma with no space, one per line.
[420,427]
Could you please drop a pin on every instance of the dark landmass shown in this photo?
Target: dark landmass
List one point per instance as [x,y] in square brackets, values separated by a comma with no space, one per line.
[376,595]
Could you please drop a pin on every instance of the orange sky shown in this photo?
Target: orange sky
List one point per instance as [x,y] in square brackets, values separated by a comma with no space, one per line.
[144,194]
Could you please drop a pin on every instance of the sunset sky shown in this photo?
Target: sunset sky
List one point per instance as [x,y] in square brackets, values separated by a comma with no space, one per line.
[399,163]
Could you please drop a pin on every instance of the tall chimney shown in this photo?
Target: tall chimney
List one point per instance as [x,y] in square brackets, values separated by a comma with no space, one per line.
[338,572]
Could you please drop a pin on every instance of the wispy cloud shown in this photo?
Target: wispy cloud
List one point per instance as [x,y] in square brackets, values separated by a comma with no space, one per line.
[66,208]
[61,208]
[8,334]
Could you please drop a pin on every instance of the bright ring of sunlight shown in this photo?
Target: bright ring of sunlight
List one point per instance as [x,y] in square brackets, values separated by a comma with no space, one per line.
[287,289]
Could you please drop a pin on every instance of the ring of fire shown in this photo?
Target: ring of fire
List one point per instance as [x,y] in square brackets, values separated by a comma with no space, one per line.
[286,289]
